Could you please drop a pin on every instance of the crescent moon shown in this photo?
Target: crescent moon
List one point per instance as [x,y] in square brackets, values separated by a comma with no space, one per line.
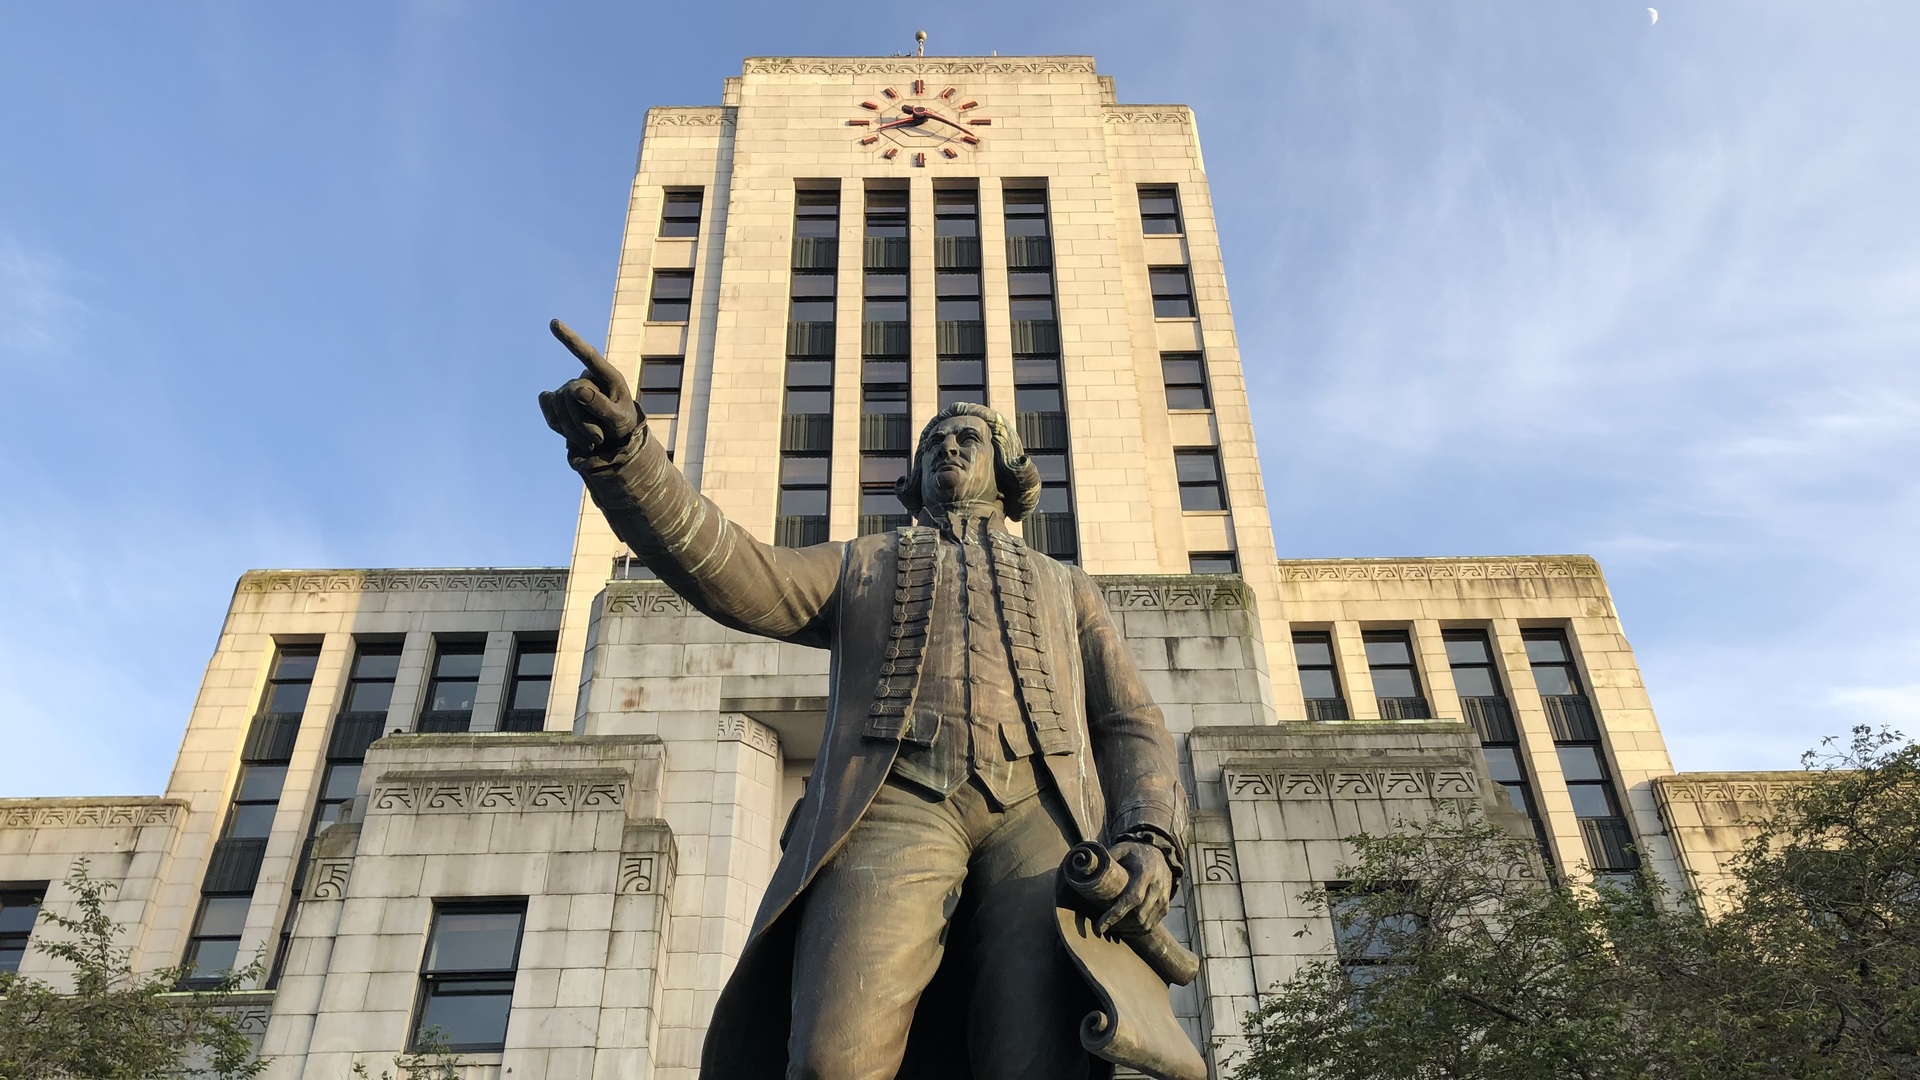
[1652,16]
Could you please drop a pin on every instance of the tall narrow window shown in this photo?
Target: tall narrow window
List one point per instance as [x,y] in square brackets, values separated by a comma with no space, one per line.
[1484,705]
[660,385]
[1160,209]
[1395,682]
[466,977]
[672,297]
[806,422]
[960,336]
[680,216]
[530,684]
[18,910]
[1198,472]
[234,867]
[1039,392]
[1319,678]
[451,690]
[1583,762]
[1172,292]
[1185,374]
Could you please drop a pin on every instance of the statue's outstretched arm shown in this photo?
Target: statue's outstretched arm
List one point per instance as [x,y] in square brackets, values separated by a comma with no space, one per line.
[783,593]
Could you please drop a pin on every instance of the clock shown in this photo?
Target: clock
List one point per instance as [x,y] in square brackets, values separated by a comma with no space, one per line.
[918,124]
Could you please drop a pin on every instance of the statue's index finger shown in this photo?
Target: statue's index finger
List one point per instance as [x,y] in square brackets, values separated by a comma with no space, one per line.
[599,369]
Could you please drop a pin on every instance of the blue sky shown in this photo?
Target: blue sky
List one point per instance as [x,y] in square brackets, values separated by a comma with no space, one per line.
[1509,278]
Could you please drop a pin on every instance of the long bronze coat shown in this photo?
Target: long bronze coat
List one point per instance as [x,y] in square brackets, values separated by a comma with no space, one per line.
[1112,761]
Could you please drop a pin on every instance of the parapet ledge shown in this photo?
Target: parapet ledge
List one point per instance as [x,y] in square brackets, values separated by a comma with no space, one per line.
[1441,568]
[404,580]
[1372,738]
[1730,786]
[86,811]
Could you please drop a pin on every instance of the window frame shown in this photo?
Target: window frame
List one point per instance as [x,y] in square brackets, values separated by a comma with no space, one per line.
[1218,484]
[1420,708]
[1338,710]
[1155,276]
[1230,559]
[430,980]
[14,944]
[677,196]
[1170,191]
[1200,384]
[655,297]
[443,647]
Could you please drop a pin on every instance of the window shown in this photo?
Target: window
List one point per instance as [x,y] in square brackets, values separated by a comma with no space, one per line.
[256,798]
[451,690]
[1160,209]
[1172,292]
[1395,682]
[956,211]
[672,296]
[806,426]
[292,678]
[816,213]
[1026,213]
[18,910]
[1370,928]
[1484,705]
[370,681]
[1199,474]
[1576,741]
[681,214]
[660,385]
[1186,378]
[1319,679]
[1213,562]
[466,979]
[528,687]
[214,949]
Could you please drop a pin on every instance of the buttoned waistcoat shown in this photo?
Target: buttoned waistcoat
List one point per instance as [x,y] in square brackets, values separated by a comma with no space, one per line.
[1105,744]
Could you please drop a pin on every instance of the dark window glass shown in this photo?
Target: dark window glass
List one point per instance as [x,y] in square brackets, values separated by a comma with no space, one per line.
[292,679]
[1159,209]
[1553,672]
[1172,292]
[947,225]
[813,285]
[680,216]
[957,283]
[1581,762]
[803,502]
[816,228]
[882,501]
[1223,562]
[260,783]
[532,675]
[1474,682]
[810,401]
[884,399]
[1313,655]
[803,471]
[1503,764]
[1035,371]
[1026,226]
[1053,467]
[811,311]
[370,685]
[1029,283]
[950,395]
[660,385]
[963,372]
[467,976]
[1592,800]
[957,310]
[456,677]
[1390,661]
[1036,399]
[1186,380]
[886,311]
[882,470]
[672,295]
[18,910]
[809,373]
[1198,472]
[884,371]
[885,285]
[251,820]
[1055,499]
[1029,310]
[1365,937]
[336,791]
[214,947]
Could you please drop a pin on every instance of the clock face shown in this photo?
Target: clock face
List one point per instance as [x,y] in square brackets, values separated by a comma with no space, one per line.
[919,122]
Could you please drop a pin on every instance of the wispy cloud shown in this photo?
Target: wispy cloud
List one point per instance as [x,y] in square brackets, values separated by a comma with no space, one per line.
[37,309]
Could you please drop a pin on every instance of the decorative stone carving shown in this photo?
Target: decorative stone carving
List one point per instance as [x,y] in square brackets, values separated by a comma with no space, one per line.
[468,793]
[328,879]
[1174,593]
[692,116]
[735,727]
[1385,782]
[1569,566]
[103,814]
[637,874]
[645,598]
[405,581]
[820,65]
[1214,865]
[1723,790]
[1148,114]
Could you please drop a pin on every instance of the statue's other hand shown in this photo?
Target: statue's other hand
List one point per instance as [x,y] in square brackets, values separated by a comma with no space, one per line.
[1149,889]
[595,413]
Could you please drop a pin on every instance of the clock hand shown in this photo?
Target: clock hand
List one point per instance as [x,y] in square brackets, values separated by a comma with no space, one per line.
[902,121]
[931,115]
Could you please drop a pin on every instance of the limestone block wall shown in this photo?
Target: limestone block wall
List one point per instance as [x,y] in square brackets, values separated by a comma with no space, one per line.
[1712,815]
[1274,809]
[127,842]
[568,823]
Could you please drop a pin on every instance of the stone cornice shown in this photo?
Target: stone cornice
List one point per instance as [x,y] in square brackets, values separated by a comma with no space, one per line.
[1496,568]
[1148,114]
[914,65]
[1729,787]
[85,813]
[485,791]
[1173,592]
[692,115]
[478,579]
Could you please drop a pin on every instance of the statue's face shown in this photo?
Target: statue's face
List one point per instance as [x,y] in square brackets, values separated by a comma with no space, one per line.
[957,464]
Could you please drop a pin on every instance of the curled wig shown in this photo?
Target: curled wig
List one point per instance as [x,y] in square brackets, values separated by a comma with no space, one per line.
[1017,477]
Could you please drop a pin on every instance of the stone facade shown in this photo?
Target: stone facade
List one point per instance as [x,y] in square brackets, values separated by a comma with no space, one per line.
[630,805]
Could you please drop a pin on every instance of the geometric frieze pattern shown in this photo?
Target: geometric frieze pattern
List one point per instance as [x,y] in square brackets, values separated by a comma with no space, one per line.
[23,814]
[1387,782]
[1571,566]
[737,728]
[407,581]
[328,880]
[637,875]
[1724,790]
[811,65]
[1147,115]
[691,116]
[1166,593]
[648,599]
[504,794]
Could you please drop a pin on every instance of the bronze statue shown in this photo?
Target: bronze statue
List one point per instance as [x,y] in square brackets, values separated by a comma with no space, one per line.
[985,716]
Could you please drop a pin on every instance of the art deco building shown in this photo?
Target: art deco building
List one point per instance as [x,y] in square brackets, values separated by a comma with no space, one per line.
[538,806]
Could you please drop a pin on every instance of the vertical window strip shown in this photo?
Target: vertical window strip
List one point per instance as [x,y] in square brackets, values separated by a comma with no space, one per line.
[806,421]
[1039,393]
[1583,760]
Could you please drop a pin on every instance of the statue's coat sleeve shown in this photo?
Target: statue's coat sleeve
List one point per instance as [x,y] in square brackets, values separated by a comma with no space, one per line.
[777,592]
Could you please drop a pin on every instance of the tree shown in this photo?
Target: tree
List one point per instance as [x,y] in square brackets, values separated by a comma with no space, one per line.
[1460,958]
[115,1024]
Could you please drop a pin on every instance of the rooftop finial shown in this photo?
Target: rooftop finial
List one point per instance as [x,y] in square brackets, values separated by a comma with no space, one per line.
[919,43]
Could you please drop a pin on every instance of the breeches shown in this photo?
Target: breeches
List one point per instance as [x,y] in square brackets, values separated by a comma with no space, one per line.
[875,928]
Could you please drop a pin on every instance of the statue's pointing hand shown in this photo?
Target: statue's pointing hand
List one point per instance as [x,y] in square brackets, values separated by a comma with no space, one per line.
[1149,889]
[596,412]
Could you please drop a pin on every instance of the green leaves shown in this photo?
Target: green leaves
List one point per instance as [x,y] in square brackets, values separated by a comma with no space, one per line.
[1460,958]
